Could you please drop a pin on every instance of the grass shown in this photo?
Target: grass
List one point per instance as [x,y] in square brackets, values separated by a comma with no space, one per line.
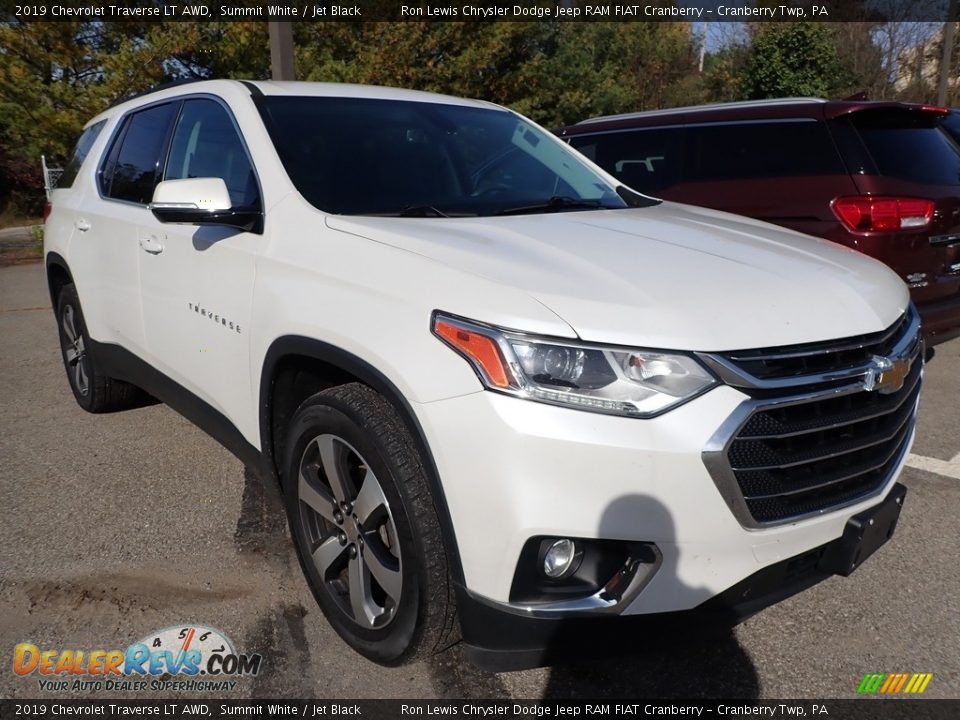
[18,250]
[10,219]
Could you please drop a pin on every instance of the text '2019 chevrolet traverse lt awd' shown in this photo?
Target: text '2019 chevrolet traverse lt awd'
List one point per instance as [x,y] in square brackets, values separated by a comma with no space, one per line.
[506,397]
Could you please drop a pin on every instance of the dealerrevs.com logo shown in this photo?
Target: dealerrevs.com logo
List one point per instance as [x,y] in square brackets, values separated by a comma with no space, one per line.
[179,658]
[894,683]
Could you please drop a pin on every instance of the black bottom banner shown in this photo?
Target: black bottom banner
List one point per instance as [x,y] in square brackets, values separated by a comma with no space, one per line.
[865,709]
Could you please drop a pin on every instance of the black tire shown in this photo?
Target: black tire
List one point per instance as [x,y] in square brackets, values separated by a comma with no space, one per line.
[355,430]
[94,391]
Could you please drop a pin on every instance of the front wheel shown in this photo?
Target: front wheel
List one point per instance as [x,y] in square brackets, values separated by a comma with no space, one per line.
[365,527]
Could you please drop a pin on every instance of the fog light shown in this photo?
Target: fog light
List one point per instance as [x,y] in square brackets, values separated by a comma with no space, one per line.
[559,558]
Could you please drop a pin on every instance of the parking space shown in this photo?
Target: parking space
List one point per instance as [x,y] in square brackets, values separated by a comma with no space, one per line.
[114,526]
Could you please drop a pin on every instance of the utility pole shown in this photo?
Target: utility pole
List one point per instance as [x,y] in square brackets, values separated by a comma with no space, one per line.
[949,33]
[281,51]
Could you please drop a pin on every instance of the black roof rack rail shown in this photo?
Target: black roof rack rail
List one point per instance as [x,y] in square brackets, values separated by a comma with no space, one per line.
[166,86]
[254,90]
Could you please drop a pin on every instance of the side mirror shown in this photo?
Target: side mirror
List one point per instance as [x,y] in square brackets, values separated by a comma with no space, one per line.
[202,201]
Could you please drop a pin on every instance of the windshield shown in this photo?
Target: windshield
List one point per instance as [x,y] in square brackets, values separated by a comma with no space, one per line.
[360,156]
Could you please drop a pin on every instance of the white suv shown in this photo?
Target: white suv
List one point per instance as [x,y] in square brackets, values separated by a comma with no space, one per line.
[508,399]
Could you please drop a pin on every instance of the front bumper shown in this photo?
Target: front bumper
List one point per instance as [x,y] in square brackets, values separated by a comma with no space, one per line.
[500,641]
[513,469]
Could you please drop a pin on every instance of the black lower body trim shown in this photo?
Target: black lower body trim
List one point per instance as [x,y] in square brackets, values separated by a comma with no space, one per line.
[500,641]
[120,363]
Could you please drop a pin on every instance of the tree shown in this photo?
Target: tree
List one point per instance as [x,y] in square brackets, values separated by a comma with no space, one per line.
[796,59]
[56,76]
[556,72]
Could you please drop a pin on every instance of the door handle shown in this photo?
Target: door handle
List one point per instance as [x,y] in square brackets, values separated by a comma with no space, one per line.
[153,244]
[81,224]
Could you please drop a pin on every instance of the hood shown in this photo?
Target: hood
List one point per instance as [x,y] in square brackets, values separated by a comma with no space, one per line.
[670,276]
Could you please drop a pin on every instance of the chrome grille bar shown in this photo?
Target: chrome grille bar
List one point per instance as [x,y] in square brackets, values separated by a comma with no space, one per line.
[811,444]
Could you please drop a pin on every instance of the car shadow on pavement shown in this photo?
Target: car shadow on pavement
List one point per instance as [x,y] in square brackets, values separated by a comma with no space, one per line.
[694,665]
[663,656]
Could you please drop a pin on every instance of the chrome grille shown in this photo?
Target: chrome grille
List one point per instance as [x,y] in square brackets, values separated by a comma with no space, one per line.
[813,438]
[825,357]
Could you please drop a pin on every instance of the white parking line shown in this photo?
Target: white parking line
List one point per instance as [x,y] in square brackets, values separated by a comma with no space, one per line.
[950,468]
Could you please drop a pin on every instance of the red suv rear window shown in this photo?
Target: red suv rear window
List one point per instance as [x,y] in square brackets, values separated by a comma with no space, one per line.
[909,145]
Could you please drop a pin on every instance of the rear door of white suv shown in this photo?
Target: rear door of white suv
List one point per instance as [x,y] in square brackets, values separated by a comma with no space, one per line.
[197,281]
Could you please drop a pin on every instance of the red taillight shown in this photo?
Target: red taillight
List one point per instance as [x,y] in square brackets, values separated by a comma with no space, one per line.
[871,213]
[47,207]
[935,109]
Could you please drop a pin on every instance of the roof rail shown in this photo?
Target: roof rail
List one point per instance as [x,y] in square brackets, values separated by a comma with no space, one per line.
[704,108]
[165,86]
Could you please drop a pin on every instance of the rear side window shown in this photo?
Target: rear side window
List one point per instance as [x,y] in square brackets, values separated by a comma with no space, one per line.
[646,160]
[759,149]
[951,124]
[133,167]
[909,145]
[80,152]
[206,144]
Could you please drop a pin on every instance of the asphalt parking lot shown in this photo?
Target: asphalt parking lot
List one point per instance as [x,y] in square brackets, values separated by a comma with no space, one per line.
[114,526]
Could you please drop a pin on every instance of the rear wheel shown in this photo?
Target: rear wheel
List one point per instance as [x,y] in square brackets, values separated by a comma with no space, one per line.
[94,391]
[363,520]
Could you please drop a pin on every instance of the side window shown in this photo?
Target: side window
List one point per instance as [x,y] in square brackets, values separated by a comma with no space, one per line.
[646,160]
[206,144]
[133,167]
[80,152]
[759,149]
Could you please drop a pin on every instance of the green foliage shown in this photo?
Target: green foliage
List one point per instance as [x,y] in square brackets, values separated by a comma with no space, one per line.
[21,186]
[795,59]
[556,72]
[724,72]
[56,76]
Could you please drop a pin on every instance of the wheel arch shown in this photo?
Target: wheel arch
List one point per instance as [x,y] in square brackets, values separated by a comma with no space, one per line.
[58,275]
[296,367]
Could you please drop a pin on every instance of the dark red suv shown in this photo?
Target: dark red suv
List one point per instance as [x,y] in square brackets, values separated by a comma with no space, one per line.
[880,177]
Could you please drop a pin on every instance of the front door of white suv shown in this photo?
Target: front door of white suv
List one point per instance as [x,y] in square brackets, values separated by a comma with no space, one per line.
[109,239]
[197,281]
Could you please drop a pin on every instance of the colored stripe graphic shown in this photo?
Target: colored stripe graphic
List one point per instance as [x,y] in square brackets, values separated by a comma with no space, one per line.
[894,683]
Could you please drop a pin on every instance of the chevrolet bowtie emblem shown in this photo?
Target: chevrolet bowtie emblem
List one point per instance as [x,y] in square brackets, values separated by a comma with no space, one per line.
[885,375]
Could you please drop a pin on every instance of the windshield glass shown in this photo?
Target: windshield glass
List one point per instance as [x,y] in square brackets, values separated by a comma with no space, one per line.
[360,156]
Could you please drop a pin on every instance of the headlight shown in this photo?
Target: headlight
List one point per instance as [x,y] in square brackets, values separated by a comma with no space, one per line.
[614,380]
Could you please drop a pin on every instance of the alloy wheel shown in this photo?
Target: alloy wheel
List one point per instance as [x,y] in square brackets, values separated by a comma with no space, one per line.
[74,350]
[349,531]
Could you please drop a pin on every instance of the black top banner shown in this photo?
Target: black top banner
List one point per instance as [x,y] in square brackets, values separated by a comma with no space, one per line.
[480,10]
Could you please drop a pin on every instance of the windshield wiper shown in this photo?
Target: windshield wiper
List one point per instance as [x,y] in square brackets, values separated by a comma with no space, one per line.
[556,204]
[421,211]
